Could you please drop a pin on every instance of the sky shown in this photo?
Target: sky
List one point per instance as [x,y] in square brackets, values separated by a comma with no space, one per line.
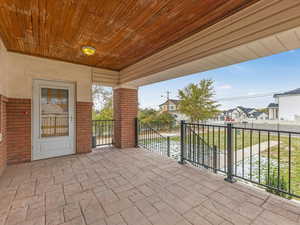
[277,73]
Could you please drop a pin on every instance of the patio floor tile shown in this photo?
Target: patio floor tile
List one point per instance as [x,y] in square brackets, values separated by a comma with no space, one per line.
[132,187]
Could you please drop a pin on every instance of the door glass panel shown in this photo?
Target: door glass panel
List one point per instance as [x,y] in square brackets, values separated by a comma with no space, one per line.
[54,112]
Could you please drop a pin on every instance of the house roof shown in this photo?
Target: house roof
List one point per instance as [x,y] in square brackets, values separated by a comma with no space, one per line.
[292,92]
[273,105]
[256,114]
[52,109]
[175,101]
[245,110]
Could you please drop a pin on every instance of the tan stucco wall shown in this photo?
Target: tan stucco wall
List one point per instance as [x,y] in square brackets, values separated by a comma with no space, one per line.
[22,69]
[3,74]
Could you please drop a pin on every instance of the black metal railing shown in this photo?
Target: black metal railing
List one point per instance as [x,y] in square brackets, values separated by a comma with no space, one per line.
[201,145]
[103,132]
[150,139]
[264,157]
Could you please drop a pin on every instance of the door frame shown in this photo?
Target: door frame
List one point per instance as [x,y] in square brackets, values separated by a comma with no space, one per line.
[35,122]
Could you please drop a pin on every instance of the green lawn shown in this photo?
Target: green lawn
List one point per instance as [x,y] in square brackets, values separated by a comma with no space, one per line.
[279,152]
[240,139]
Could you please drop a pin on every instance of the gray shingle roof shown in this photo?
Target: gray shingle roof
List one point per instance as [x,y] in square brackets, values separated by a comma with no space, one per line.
[175,101]
[292,92]
[256,114]
[246,110]
[273,105]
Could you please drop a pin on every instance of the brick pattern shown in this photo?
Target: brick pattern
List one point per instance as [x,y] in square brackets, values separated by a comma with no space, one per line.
[3,131]
[133,187]
[18,130]
[125,111]
[84,127]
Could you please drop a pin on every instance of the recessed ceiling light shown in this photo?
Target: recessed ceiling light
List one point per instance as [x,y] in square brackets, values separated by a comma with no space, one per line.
[88,50]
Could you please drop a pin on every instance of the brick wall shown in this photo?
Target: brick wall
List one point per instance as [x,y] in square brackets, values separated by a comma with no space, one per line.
[18,130]
[3,143]
[18,139]
[125,111]
[84,127]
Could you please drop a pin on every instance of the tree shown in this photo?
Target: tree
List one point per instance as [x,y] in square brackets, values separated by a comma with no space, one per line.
[104,114]
[102,99]
[263,110]
[196,101]
[156,119]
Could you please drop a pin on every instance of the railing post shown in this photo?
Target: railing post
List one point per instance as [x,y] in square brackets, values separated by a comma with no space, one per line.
[182,139]
[94,143]
[136,122]
[168,146]
[215,158]
[229,177]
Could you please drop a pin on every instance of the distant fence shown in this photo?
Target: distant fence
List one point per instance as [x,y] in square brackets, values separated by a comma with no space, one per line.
[269,126]
[103,132]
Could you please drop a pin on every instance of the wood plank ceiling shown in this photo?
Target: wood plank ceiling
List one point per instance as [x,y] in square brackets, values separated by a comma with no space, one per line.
[122,31]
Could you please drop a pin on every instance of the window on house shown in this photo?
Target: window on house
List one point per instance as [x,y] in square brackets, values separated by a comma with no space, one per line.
[171,107]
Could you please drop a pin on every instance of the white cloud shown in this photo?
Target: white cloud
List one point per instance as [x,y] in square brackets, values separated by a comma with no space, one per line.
[225,86]
[252,93]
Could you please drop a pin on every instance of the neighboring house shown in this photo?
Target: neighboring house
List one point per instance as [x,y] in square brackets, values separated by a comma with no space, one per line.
[273,111]
[288,104]
[241,113]
[171,106]
[259,116]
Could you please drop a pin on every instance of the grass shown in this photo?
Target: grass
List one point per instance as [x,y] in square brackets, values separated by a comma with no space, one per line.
[240,139]
[243,139]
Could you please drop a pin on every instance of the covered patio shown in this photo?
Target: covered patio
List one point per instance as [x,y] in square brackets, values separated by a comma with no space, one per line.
[52,52]
[132,187]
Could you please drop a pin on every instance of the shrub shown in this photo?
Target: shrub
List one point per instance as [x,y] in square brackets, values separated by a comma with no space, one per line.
[275,184]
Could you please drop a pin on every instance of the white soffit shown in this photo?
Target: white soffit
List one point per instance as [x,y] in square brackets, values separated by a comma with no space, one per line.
[105,77]
[274,44]
[262,29]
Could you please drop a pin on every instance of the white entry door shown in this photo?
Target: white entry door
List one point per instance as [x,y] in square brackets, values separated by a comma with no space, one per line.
[53,119]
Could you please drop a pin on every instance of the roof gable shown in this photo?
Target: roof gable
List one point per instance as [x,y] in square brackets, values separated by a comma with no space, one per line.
[174,101]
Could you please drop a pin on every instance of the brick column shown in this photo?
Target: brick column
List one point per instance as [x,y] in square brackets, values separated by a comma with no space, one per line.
[83,127]
[18,130]
[125,111]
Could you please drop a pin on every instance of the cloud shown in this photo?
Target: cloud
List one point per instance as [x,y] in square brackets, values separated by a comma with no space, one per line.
[225,86]
[252,93]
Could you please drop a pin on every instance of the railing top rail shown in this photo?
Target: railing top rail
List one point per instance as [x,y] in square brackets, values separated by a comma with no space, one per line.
[205,124]
[244,128]
[267,130]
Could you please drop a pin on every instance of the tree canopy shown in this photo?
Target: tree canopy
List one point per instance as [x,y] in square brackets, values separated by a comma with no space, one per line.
[155,118]
[196,101]
[102,103]
[102,97]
